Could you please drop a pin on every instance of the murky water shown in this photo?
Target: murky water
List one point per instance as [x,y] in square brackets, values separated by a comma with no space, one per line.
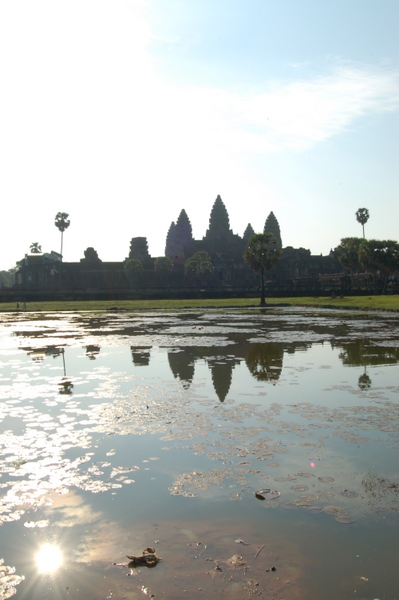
[257,453]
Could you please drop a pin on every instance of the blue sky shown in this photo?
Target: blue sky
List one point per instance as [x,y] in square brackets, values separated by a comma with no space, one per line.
[123,112]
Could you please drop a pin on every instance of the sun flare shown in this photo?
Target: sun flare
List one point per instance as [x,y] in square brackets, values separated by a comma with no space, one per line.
[48,558]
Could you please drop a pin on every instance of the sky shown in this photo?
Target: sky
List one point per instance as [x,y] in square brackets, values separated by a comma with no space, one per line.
[122,113]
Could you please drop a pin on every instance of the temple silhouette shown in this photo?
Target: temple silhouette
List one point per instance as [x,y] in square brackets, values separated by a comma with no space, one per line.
[298,272]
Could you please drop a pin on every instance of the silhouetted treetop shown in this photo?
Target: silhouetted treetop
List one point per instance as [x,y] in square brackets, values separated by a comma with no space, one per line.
[362,216]
[35,248]
[200,266]
[163,265]
[62,223]
[133,265]
[272,226]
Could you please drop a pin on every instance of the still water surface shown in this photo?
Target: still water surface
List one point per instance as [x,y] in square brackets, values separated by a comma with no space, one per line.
[256,452]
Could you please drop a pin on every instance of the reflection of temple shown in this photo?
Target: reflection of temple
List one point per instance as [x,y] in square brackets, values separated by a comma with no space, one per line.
[265,363]
[38,354]
[364,381]
[222,372]
[181,364]
[140,355]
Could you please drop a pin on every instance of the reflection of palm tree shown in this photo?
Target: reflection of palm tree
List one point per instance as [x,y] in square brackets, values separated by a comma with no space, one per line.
[65,386]
[364,382]
[265,361]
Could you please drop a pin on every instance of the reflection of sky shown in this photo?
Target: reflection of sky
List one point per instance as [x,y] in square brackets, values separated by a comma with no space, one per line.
[131,439]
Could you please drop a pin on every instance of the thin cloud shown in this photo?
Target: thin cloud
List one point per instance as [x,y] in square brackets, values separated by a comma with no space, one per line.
[295,115]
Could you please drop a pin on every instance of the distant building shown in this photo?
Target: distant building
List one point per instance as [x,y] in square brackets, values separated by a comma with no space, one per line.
[47,271]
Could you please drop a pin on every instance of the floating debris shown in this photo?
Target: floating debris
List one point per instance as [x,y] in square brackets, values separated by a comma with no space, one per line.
[267,494]
[236,561]
[148,559]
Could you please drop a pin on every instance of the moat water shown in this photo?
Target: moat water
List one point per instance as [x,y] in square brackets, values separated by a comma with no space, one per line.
[256,452]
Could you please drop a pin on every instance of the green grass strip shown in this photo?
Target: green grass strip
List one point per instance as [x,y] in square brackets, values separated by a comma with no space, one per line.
[367,303]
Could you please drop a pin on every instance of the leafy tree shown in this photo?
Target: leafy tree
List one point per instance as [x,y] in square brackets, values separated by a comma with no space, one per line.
[261,255]
[364,381]
[62,223]
[163,264]
[362,216]
[35,248]
[133,265]
[348,252]
[190,268]
[272,226]
[7,278]
[380,255]
[163,267]
[205,271]
[200,266]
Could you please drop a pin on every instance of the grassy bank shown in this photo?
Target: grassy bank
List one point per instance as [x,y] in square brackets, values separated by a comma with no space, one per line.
[351,302]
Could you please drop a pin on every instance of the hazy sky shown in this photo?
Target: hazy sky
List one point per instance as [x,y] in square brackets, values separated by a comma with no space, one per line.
[124,112]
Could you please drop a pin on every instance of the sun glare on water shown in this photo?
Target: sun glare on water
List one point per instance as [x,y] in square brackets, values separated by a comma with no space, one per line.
[48,558]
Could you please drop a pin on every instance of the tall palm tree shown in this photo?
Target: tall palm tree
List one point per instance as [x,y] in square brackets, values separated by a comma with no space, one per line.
[35,248]
[62,223]
[362,216]
[261,255]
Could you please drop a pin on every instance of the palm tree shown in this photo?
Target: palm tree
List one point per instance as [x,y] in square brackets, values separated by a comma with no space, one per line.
[35,248]
[62,222]
[261,255]
[362,216]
